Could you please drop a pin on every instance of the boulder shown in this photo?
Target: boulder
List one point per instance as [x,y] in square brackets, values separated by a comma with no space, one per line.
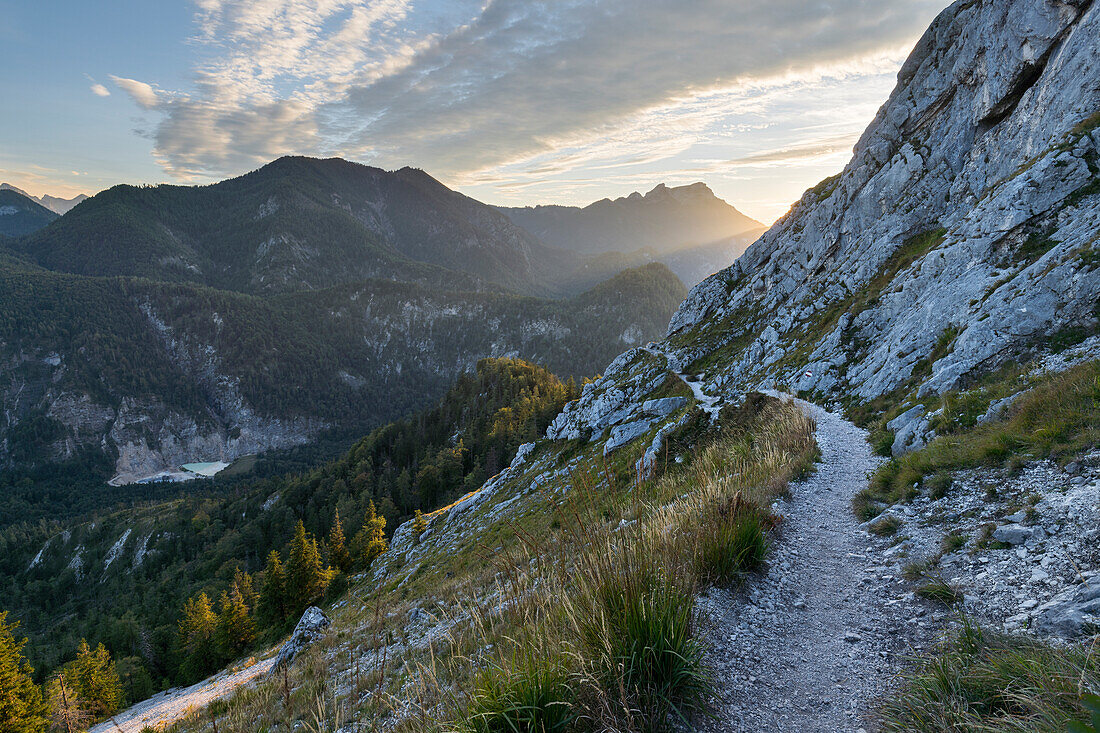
[911,431]
[664,406]
[1012,534]
[623,434]
[310,628]
[1072,613]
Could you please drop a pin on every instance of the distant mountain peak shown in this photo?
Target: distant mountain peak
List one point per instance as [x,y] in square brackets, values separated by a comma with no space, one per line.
[666,219]
[55,204]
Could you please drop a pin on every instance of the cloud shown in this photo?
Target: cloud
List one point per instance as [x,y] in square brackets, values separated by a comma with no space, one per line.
[800,153]
[468,86]
[144,94]
[100,91]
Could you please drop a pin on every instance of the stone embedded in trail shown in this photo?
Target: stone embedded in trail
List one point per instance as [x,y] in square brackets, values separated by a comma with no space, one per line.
[1012,534]
[310,628]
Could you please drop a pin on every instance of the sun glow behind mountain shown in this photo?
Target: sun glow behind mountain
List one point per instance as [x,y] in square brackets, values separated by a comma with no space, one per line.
[513,102]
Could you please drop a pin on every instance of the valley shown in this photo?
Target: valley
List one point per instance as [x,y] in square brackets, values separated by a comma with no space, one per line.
[474,468]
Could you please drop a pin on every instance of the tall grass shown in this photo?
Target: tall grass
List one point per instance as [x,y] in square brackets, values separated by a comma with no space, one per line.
[984,682]
[1059,417]
[600,633]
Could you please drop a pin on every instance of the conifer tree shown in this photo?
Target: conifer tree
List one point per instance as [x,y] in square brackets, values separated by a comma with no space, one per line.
[420,525]
[337,547]
[236,630]
[197,632]
[306,578]
[271,608]
[370,541]
[67,711]
[22,709]
[94,678]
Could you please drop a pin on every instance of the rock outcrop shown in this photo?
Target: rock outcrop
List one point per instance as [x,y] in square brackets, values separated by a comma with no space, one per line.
[961,235]
[310,628]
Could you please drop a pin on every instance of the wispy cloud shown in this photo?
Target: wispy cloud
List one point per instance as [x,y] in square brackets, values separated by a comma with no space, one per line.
[142,93]
[100,91]
[474,88]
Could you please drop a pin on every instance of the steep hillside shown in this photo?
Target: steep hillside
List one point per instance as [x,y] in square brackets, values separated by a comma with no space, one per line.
[150,559]
[20,215]
[662,221]
[962,235]
[150,375]
[300,224]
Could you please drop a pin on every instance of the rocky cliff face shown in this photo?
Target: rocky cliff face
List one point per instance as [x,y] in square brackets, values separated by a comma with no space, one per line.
[963,233]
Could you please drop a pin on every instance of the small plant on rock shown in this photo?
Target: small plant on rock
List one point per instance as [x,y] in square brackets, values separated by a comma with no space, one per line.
[940,590]
[886,526]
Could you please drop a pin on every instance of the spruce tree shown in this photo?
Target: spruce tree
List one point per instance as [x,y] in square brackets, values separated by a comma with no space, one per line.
[337,547]
[22,709]
[420,525]
[94,678]
[197,632]
[68,712]
[370,541]
[272,607]
[306,578]
[236,630]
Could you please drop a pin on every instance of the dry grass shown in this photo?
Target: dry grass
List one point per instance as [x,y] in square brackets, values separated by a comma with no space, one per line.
[575,611]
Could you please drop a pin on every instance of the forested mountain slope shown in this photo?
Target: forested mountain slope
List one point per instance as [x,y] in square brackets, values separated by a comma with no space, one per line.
[132,376]
[21,215]
[662,221]
[300,224]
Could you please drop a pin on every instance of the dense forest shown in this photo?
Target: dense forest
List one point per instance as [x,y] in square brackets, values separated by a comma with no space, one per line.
[172,589]
[338,362]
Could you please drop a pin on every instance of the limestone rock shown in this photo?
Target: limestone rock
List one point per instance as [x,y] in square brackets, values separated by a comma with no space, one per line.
[1012,534]
[1072,613]
[310,628]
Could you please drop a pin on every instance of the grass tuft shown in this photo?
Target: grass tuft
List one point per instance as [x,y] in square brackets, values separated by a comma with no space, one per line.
[982,682]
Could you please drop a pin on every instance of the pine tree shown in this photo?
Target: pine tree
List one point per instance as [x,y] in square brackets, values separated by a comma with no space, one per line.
[337,547]
[94,678]
[271,608]
[370,541]
[420,525]
[306,578]
[22,709]
[197,631]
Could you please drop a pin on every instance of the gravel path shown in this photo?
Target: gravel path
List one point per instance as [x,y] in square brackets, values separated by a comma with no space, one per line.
[811,644]
[169,706]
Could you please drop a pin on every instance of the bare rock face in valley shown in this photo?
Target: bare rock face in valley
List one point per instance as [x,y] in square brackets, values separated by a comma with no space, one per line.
[961,235]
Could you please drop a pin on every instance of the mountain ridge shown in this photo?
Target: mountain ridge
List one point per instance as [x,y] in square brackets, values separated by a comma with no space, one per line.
[662,220]
[56,204]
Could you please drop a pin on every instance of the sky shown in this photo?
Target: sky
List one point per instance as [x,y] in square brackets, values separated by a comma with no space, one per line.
[513,102]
